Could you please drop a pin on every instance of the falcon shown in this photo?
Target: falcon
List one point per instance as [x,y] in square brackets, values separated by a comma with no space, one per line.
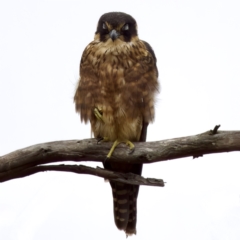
[116,94]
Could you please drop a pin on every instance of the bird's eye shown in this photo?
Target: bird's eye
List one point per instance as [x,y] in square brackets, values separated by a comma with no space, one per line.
[104,26]
[125,27]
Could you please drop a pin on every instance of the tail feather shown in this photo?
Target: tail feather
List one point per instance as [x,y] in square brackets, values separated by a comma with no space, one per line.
[125,206]
[132,221]
[125,198]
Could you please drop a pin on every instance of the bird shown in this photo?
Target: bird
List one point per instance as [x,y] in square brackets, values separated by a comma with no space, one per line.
[116,93]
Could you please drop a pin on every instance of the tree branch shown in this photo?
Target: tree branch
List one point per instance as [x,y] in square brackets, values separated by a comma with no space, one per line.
[129,178]
[29,160]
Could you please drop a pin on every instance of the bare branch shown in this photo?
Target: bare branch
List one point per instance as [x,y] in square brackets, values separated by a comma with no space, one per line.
[129,178]
[212,141]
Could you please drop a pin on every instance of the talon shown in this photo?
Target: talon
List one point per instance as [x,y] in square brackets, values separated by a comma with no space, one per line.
[102,139]
[98,114]
[131,150]
[99,139]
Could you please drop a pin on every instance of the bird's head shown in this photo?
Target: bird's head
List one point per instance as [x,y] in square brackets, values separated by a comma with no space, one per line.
[115,26]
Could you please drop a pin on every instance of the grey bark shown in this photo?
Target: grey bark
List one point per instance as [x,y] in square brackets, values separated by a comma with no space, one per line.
[30,160]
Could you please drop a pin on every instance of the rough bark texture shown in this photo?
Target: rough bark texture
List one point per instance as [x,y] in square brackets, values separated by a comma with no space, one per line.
[30,160]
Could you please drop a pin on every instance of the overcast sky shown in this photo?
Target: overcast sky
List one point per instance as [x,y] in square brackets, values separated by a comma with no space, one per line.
[197,44]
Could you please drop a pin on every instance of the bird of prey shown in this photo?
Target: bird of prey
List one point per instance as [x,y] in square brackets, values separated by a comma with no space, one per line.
[116,94]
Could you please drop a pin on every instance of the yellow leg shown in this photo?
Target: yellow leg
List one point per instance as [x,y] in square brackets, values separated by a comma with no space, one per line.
[128,143]
[112,148]
[98,114]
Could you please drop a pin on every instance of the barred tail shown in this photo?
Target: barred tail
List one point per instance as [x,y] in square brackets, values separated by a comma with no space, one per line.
[125,206]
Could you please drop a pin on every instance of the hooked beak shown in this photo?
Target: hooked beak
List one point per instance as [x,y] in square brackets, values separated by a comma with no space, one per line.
[114,34]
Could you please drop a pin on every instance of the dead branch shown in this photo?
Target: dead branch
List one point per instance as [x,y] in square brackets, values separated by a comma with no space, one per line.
[129,178]
[29,160]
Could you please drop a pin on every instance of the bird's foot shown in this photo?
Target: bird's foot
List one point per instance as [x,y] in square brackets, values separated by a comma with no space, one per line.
[98,114]
[131,146]
[102,139]
[128,143]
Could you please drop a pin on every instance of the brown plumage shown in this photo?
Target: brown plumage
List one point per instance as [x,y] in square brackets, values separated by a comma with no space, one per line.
[118,80]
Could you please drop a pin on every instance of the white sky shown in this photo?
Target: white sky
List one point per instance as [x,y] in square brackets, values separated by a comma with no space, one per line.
[197,44]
